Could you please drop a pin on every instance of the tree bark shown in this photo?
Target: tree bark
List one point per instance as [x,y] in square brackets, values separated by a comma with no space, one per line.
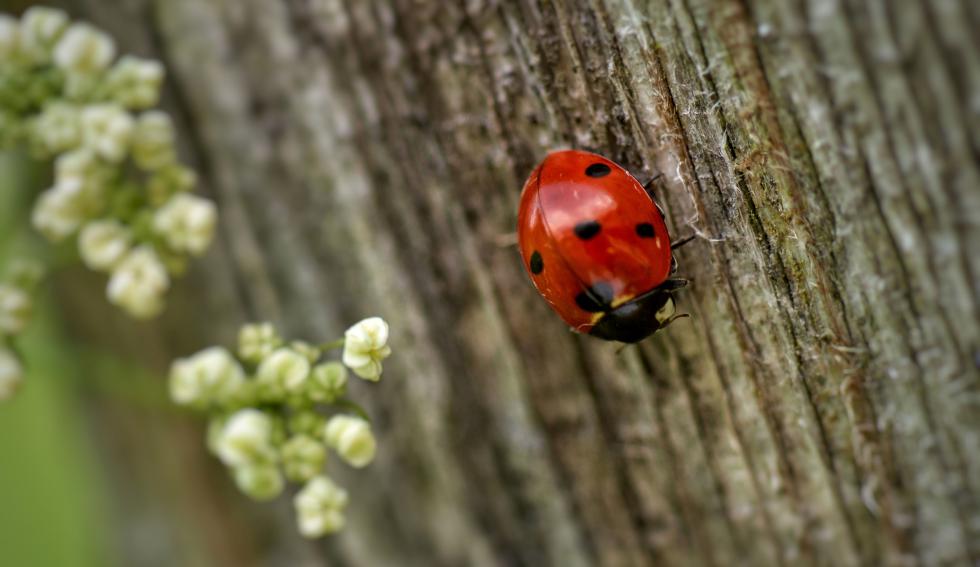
[819,407]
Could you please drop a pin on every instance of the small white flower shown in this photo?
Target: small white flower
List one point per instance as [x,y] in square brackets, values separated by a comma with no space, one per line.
[107,130]
[103,243]
[365,346]
[186,222]
[285,370]
[351,437]
[302,458]
[320,507]
[328,381]
[40,28]
[246,439]
[84,49]
[56,128]
[257,341]
[11,373]
[9,38]
[81,164]
[134,82]
[15,310]
[138,283]
[210,376]
[153,140]
[60,210]
[260,482]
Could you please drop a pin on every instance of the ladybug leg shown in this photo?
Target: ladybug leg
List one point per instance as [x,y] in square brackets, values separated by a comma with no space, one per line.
[682,242]
[672,284]
[674,318]
[649,184]
[648,187]
[673,264]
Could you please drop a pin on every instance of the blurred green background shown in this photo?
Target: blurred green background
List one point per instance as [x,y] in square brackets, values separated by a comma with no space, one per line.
[52,491]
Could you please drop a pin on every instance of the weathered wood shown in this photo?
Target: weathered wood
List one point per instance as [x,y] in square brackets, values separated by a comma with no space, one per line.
[820,406]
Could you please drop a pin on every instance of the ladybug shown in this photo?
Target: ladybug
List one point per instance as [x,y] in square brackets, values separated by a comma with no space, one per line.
[595,245]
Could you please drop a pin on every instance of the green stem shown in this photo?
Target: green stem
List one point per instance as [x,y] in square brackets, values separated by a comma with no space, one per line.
[344,403]
[332,345]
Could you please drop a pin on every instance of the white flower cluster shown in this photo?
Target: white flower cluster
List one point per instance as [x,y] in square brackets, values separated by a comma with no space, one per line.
[273,413]
[16,307]
[118,185]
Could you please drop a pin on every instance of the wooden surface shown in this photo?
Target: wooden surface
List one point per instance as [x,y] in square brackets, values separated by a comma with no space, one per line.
[821,405]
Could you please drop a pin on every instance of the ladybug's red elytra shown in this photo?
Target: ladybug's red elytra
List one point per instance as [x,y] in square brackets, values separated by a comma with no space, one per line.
[596,247]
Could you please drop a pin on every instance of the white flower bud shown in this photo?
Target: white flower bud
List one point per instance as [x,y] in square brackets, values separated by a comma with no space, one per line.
[15,310]
[186,222]
[260,482]
[210,376]
[311,352]
[246,439]
[60,210]
[328,381]
[40,28]
[320,507]
[257,341]
[107,130]
[103,244]
[11,373]
[56,128]
[303,458]
[84,50]
[134,82]
[81,164]
[9,38]
[365,346]
[285,370]
[138,283]
[153,140]
[351,437]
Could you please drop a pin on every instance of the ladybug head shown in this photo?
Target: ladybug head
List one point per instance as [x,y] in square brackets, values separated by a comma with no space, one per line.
[636,320]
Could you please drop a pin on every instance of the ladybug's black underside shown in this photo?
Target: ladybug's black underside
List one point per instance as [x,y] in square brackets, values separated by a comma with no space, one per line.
[636,320]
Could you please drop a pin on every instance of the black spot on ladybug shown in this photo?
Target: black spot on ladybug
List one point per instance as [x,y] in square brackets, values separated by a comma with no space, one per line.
[597,170]
[587,229]
[536,263]
[645,230]
[597,298]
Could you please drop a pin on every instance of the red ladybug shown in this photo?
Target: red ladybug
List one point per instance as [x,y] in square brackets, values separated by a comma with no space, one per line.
[596,247]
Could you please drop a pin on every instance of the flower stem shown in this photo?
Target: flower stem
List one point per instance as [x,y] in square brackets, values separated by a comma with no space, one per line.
[332,345]
[344,403]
